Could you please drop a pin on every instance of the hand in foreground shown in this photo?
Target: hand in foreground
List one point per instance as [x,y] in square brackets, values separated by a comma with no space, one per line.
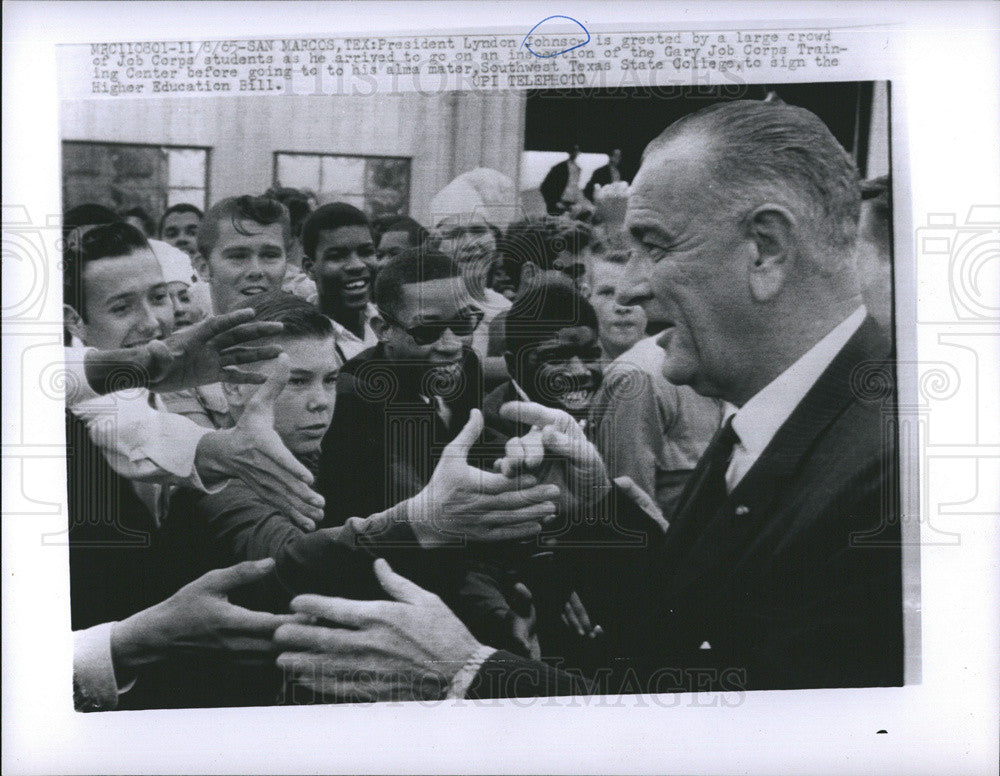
[462,502]
[557,452]
[409,648]
[523,620]
[253,452]
[211,352]
[574,616]
[198,618]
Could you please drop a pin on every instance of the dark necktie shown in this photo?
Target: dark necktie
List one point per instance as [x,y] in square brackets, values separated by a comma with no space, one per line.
[713,493]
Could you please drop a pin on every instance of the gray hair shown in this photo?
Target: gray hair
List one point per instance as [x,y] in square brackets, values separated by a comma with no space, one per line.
[784,153]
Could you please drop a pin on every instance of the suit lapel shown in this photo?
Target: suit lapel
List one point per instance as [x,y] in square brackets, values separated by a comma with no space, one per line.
[706,543]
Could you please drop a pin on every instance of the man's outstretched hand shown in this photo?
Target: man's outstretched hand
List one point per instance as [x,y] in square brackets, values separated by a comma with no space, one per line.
[407,648]
[199,618]
[557,452]
[211,352]
[464,503]
[253,452]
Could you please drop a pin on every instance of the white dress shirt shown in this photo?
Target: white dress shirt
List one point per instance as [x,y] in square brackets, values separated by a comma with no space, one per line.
[95,687]
[757,421]
[140,440]
[348,343]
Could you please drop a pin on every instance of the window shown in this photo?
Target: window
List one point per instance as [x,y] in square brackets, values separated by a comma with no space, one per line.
[123,176]
[379,185]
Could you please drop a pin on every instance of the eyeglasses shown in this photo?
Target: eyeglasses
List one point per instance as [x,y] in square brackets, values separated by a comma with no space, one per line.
[462,325]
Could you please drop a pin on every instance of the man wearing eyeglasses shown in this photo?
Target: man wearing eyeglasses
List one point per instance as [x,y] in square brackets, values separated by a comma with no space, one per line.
[401,402]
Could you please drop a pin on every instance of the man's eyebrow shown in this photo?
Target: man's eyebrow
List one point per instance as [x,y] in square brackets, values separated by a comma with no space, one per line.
[123,296]
[643,229]
[300,371]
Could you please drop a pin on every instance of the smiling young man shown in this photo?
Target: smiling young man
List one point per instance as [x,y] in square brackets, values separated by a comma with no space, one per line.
[552,352]
[243,249]
[242,252]
[422,374]
[339,255]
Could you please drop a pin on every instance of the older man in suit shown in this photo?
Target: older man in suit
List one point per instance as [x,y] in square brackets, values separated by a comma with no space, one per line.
[782,566]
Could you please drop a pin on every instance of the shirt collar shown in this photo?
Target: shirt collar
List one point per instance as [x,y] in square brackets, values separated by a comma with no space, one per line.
[757,421]
[342,331]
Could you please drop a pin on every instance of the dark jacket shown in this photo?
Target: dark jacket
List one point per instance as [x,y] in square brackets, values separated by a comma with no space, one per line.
[795,581]
[385,439]
[114,560]
[554,185]
[600,177]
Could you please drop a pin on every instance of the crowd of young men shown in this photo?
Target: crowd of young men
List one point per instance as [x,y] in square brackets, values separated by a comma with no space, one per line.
[599,457]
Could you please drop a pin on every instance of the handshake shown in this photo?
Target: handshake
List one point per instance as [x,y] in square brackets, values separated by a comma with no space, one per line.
[552,470]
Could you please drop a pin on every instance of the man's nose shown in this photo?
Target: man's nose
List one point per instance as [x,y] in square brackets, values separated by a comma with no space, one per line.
[448,342]
[148,322]
[320,399]
[354,264]
[255,268]
[637,288]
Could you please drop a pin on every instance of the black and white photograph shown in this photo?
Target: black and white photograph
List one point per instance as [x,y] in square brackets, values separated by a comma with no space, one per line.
[428,371]
[616,414]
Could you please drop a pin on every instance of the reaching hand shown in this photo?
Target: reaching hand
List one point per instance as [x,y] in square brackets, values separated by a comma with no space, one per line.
[463,503]
[409,648]
[253,452]
[210,352]
[198,618]
[558,452]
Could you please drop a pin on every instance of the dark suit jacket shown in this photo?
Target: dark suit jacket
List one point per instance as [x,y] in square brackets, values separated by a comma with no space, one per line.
[796,580]
[385,440]
[382,448]
[554,185]
[602,177]
[114,558]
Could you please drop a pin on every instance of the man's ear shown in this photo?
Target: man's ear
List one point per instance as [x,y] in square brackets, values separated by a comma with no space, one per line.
[773,234]
[200,264]
[73,322]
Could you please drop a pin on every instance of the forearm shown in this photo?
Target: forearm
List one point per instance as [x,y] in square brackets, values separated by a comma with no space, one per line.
[333,561]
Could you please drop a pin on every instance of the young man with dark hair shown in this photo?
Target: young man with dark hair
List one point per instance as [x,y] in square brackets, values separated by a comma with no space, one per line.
[535,249]
[422,372]
[242,252]
[552,351]
[397,234]
[126,446]
[179,227]
[339,255]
